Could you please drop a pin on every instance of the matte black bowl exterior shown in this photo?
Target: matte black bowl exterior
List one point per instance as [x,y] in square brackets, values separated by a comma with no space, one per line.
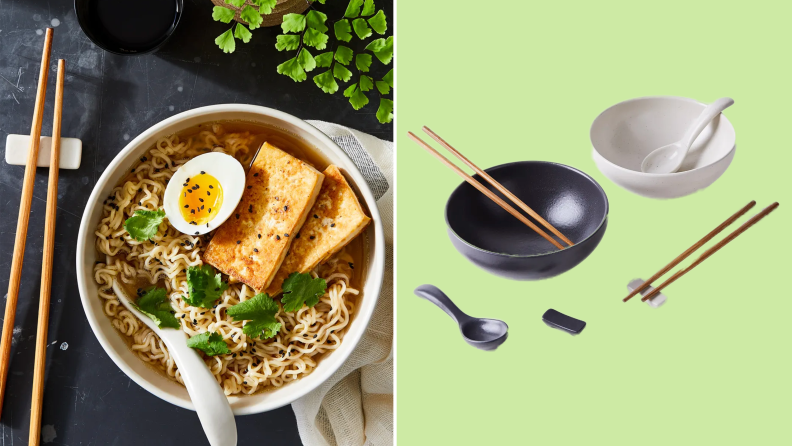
[497,242]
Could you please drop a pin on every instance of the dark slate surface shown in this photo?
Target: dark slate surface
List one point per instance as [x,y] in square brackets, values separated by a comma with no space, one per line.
[109,99]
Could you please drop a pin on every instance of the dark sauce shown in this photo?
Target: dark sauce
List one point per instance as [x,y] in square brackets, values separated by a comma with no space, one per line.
[132,25]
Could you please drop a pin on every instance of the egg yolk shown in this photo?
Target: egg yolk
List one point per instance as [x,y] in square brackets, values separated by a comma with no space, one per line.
[200,199]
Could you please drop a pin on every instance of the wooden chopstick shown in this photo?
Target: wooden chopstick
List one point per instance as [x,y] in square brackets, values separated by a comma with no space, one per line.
[24,217]
[46,264]
[713,250]
[484,190]
[692,249]
[498,186]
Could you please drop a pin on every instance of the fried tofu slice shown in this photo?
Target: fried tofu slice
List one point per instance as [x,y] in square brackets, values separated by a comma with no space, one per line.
[335,219]
[251,245]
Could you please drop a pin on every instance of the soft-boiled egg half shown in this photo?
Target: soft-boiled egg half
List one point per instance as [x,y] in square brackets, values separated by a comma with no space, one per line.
[204,192]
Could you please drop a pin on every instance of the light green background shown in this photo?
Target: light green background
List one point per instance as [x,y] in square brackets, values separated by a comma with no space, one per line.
[516,80]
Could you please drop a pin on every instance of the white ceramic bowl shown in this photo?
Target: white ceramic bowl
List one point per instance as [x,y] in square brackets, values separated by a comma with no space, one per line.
[625,133]
[112,341]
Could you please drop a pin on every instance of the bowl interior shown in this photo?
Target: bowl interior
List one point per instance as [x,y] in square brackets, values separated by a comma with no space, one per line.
[113,342]
[626,132]
[568,199]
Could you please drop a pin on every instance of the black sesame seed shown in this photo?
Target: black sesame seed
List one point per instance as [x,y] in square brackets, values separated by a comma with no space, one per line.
[259,236]
[189,190]
[156,170]
[239,241]
[351,265]
[208,194]
[133,170]
[332,225]
[210,210]
[203,173]
[314,336]
[211,187]
[255,250]
[286,234]
[186,206]
[250,208]
[255,174]
[250,187]
[188,180]
[201,200]
[297,236]
[196,233]
[202,207]
[185,184]
[195,321]
[237,216]
[183,316]
[312,237]
[316,216]
[192,211]
[285,208]
[277,237]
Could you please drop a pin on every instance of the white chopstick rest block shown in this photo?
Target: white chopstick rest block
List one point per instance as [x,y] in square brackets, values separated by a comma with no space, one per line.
[17,146]
[656,301]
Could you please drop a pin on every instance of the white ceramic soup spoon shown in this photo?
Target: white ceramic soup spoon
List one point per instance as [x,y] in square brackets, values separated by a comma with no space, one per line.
[207,396]
[668,159]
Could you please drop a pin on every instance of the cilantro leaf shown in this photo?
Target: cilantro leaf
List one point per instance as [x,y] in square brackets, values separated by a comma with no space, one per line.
[260,313]
[326,81]
[210,343]
[251,16]
[301,288]
[361,28]
[226,42]
[349,90]
[306,60]
[368,8]
[366,83]
[242,33]
[382,48]
[293,69]
[237,3]
[324,59]
[343,55]
[341,72]
[222,14]
[316,20]
[205,286]
[343,30]
[265,6]
[383,87]
[315,39]
[385,111]
[363,62]
[321,1]
[144,224]
[378,22]
[157,307]
[293,23]
[287,42]
[389,78]
[353,8]
[358,99]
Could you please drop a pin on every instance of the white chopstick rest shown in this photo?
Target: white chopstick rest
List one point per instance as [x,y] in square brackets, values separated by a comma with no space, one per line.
[656,301]
[17,147]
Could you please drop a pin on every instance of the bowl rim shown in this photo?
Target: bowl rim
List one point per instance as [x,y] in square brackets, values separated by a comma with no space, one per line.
[372,286]
[659,175]
[84,26]
[549,253]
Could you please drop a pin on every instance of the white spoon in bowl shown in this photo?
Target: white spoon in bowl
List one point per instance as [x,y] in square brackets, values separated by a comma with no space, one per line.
[668,159]
[207,396]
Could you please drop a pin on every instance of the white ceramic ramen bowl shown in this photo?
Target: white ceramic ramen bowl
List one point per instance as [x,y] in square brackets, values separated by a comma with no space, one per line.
[113,342]
[625,133]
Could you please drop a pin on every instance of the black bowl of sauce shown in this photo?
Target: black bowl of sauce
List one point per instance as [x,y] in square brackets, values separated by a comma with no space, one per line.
[128,26]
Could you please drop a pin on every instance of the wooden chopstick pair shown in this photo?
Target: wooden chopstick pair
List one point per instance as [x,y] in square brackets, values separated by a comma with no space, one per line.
[483,189]
[49,240]
[715,248]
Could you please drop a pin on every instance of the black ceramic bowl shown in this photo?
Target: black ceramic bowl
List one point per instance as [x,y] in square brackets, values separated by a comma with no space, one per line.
[494,240]
[128,27]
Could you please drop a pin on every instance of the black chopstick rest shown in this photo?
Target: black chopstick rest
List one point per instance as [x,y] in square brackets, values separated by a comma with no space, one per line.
[563,322]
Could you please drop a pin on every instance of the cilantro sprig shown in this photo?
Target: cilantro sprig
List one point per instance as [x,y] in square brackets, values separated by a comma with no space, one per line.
[205,286]
[210,343]
[301,289]
[259,312]
[155,304]
[143,225]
